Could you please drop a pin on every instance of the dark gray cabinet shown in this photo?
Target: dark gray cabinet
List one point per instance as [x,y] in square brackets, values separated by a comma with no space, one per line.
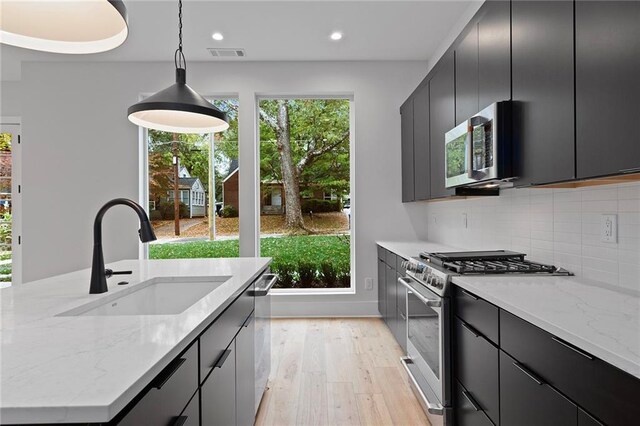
[526,400]
[246,374]
[392,294]
[406,146]
[382,288]
[494,53]
[421,144]
[466,410]
[441,120]
[483,60]
[607,89]
[585,419]
[467,74]
[168,394]
[543,90]
[219,391]
[191,414]
[476,363]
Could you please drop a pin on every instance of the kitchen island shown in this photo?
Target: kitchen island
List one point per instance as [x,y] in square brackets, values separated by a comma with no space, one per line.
[63,364]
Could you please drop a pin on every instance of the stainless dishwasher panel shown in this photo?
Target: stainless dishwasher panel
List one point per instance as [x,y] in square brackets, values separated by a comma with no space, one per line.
[263,333]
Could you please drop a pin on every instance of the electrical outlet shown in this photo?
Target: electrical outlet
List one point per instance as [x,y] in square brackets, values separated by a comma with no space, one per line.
[465,220]
[609,228]
[368,283]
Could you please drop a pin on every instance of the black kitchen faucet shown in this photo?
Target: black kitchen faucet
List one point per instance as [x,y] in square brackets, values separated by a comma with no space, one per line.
[99,274]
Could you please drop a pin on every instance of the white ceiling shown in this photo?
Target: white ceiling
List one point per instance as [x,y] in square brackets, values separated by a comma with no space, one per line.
[275,31]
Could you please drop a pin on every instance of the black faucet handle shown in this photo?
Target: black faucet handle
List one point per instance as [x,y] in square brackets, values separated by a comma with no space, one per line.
[110,272]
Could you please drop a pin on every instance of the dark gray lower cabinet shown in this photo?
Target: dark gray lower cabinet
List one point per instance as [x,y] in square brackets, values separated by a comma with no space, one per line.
[526,400]
[466,410]
[476,366]
[219,391]
[168,394]
[585,419]
[392,294]
[191,414]
[245,374]
[382,288]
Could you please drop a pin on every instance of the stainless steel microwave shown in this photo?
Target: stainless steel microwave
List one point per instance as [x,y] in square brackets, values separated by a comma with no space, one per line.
[479,151]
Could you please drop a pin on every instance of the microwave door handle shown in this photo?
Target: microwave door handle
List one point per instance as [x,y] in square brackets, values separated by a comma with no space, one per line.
[432,303]
[469,145]
[472,123]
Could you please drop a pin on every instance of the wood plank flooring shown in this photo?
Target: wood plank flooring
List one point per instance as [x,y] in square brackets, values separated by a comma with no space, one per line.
[337,371]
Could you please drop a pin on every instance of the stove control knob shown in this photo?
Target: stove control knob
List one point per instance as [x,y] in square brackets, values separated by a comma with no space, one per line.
[438,283]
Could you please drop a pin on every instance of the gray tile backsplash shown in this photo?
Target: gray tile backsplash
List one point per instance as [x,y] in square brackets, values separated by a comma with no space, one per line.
[559,226]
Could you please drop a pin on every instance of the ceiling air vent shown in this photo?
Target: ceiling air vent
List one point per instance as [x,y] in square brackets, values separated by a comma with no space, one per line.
[226,52]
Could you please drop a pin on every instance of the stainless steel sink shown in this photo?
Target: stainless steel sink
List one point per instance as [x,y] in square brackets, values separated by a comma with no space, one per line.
[157,296]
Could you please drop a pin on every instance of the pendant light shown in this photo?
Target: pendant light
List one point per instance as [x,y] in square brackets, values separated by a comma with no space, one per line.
[64,26]
[178,108]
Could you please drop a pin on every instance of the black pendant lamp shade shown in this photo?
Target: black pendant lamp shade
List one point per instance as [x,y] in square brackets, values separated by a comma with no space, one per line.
[64,26]
[178,108]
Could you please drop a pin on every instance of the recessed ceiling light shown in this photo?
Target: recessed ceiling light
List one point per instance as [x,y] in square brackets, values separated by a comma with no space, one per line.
[217,36]
[336,35]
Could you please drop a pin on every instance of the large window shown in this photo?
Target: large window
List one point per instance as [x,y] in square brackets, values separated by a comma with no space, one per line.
[206,167]
[9,193]
[305,169]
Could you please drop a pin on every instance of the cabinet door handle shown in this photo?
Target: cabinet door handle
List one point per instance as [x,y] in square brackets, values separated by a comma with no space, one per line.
[471,295]
[222,358]
[180,420]
[402,316]
[472,401]
[573,348]
[166,374]
[532,376]
[471,329]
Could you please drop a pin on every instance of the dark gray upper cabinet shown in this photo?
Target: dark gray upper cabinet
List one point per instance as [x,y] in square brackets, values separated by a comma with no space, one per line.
[441,120]
[467,75]
[422,168]
[494,53]
[543,90]
[607,89]
[406,142]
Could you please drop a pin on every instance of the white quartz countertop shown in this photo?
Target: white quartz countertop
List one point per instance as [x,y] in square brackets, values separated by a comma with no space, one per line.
[59,369]
[598,318]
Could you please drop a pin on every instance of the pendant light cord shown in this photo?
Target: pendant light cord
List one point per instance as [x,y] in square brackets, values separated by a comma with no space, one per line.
[178,58]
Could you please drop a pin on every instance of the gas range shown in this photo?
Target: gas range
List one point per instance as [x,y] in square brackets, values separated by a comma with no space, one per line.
[434,270]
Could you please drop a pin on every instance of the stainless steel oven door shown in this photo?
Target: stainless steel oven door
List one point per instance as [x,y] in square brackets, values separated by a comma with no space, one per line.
[427,362]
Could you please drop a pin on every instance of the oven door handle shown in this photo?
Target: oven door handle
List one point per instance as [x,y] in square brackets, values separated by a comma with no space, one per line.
[432,303]
[432,408]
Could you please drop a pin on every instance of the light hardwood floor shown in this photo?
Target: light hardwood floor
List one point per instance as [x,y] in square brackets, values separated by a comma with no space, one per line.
[337,371]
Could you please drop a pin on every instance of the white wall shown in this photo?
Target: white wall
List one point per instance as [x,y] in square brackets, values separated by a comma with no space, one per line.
[80,150]
[557,226]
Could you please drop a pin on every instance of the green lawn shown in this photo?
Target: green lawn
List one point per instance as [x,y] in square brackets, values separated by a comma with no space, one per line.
[301,261]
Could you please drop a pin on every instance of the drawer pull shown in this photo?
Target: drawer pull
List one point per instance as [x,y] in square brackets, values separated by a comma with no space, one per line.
[528,373]
[402,316]
[180,420]
[472,401]
[471,330]
[166,374]
[573,348]
[222,358]
[471,295]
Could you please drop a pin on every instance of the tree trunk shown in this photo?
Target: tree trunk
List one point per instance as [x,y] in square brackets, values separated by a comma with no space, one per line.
[176,187]
[290,180]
